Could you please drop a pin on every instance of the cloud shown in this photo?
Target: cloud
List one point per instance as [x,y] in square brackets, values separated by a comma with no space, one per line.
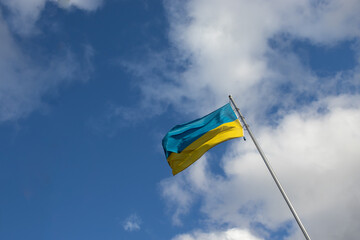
[132,223]
[179,198]
[25,13]
[315,155]
[230,234]
[246,49]
[307,123]
[88,5]
[26,79]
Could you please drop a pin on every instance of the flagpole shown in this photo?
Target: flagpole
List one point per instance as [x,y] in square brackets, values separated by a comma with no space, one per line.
[271,171]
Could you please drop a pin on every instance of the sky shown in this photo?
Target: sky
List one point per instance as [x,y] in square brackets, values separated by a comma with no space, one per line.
[88,89]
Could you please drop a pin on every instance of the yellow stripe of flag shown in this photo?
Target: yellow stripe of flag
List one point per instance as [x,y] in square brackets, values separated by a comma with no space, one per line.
[180,161]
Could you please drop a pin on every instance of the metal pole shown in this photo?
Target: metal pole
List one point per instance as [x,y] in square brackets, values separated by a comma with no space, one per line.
[271,171]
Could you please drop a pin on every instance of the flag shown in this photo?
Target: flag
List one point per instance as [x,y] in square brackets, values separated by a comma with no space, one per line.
[186,143]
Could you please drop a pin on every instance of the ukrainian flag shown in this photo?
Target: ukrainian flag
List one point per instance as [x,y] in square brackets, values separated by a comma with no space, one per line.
[186,143]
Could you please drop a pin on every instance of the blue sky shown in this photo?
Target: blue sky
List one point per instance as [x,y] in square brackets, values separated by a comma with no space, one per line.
[88,88]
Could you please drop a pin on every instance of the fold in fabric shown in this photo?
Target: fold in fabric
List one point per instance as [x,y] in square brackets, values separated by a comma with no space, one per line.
[186,143]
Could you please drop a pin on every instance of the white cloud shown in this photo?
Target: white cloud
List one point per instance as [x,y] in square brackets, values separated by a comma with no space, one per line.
[245,48]
[89,5]
[230,234]
[180,199]
[25,81]
[25,13]
[315,154]
[224,48]
[132,223]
